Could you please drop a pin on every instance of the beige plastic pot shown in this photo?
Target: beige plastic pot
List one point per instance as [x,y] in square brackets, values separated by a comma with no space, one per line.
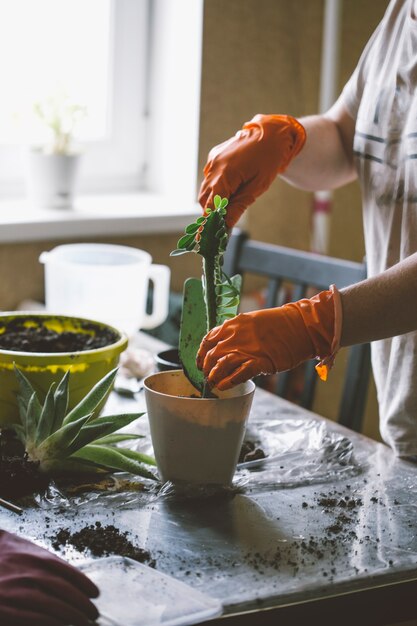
[196,440]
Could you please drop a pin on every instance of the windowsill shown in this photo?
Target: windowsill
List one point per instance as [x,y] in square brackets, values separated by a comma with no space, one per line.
[111,214]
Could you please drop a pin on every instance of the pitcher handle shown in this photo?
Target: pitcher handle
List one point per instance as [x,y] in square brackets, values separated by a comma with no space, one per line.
[160,276]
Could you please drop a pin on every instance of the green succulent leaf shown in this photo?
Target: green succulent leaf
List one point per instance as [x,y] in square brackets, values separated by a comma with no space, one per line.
[46,419]
[20,432]
[191,229]
[138,456]
[185,241]
[193,329]
[58,443]
[26,392]
[100,427]
[90,402]
[61,396]
[107,456]
[117,438]
[31,418]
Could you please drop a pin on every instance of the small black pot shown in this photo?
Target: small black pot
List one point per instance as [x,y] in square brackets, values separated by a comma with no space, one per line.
[168,360]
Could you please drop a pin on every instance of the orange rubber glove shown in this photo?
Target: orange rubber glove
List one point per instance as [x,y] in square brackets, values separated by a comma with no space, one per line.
[273,340]
[244,166]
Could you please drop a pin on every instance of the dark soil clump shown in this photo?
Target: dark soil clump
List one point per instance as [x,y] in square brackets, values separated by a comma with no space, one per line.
[20,477]
[19,337]
[250,452]
[101,541]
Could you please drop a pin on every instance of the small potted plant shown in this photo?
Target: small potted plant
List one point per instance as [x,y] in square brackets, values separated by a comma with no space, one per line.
[53,167]
[58,441]
[196,432]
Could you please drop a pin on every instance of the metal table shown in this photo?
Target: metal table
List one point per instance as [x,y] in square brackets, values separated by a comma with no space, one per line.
[302,546]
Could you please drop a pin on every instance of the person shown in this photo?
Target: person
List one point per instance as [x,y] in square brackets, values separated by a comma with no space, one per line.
[369,134]
[39,588]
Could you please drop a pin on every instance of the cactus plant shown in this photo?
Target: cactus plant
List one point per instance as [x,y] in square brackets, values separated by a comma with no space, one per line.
[213,299]
[74,441]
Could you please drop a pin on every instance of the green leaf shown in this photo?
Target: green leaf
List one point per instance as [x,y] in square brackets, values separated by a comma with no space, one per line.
[233,302]
[179,252]
[26,392]
[61,402]
[217,201]
[31,418]
[20,432]
[232,307]
[112,458]
[100,427]
[46,418]
[191,229]
[223,203]
[56,444]
[117,438]
[193,329]
[200,220]
[139,456]
[185,241]
[90,402]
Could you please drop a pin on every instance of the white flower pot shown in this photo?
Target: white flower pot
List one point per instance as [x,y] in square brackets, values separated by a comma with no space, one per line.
[51,179]
[196,440]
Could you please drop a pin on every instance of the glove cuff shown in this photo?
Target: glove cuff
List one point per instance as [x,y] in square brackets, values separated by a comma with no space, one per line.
[325,364]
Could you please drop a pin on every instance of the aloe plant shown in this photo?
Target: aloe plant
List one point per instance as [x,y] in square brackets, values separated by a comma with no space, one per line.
[213,299]
[63,441]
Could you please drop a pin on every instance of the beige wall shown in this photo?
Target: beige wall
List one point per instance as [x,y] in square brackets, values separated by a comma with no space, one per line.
[258,56]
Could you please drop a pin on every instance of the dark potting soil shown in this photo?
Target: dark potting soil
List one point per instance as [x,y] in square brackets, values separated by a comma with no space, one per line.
[20,477]
[101,540]
[19,338]
[250,452]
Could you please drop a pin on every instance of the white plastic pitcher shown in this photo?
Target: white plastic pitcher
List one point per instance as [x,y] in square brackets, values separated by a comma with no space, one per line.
[106,282]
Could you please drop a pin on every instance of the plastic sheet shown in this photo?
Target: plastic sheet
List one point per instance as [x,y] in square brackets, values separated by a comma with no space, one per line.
[297,452]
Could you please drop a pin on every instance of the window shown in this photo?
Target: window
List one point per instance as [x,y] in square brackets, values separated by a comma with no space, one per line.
[95,52]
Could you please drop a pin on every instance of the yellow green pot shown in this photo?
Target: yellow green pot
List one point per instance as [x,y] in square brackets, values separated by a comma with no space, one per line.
[87,367]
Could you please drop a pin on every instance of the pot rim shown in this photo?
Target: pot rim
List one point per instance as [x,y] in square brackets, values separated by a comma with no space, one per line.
[63,357]
[250,391]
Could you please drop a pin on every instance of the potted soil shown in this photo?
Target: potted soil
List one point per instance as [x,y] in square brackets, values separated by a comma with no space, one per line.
[197,433]
[45,346]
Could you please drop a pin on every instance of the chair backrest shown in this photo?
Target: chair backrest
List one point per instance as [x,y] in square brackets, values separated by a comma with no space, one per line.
[305,271]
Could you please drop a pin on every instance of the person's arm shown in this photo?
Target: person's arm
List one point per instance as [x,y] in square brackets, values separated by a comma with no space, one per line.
[37,587]
[382,306]
[326,160]
[312,153]
[278,339]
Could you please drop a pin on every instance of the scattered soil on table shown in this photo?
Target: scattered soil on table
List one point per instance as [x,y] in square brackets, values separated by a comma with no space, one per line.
[101,540]
[18,337]
[327,552]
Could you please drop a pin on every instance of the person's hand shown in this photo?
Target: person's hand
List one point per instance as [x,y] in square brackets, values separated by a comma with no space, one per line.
[37,587]
[244,166]
[272,340]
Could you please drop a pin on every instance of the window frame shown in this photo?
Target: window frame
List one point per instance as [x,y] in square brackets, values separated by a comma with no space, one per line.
[116,162]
